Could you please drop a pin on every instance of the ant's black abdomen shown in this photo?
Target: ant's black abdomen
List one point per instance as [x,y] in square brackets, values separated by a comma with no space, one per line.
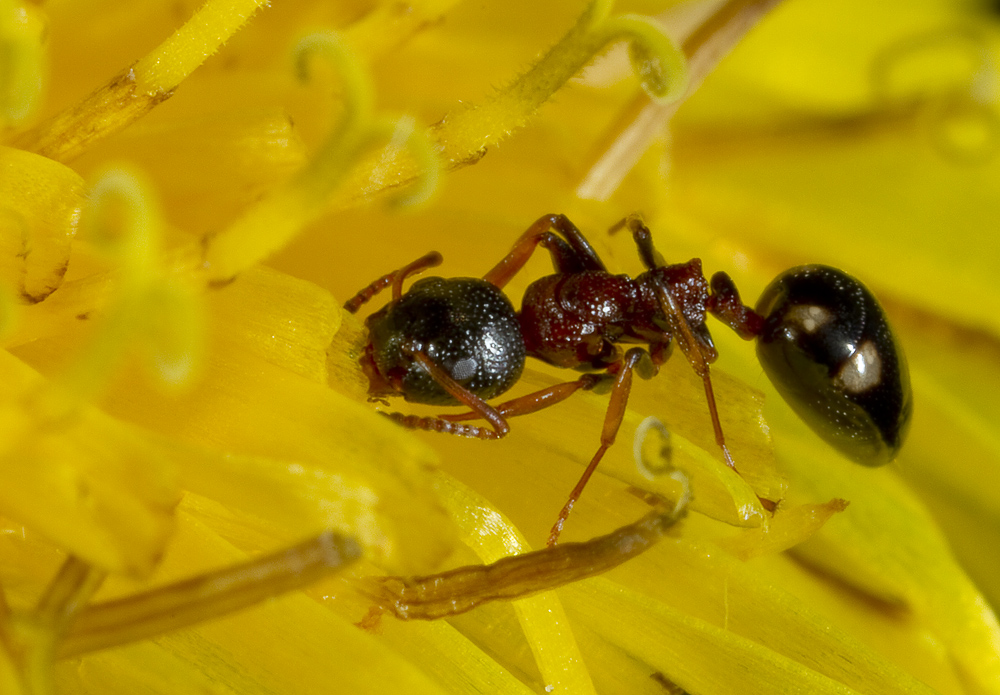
[466,326]
[827,347]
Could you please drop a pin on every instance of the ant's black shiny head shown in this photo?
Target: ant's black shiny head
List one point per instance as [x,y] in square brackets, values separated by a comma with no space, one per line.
[466,326]
[827,347]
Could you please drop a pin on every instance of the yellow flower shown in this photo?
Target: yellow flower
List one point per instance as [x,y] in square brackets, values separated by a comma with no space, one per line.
[183,407]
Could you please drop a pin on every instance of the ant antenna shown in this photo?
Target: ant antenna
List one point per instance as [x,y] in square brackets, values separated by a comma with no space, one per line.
[431,260]
[395,279]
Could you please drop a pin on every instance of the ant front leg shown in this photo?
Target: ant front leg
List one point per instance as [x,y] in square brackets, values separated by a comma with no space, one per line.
[612,423]
[538,400]
[395,279]
[574,254]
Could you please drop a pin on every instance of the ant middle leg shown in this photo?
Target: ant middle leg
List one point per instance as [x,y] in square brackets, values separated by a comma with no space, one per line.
[612,423]
[538,400]
[571,253]
[394,279]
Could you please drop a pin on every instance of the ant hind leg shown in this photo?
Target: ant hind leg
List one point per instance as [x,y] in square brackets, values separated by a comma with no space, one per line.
[643,238]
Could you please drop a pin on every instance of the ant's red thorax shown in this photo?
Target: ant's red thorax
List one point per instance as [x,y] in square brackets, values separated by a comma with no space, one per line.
[686,284]
[575,320]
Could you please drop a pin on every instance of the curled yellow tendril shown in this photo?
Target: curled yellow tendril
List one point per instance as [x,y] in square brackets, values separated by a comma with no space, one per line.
[406,136]
[278,217]
[151,308]
[659,63]
[359,128]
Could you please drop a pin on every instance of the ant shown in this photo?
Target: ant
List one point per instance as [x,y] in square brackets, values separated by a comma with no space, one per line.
[822,339]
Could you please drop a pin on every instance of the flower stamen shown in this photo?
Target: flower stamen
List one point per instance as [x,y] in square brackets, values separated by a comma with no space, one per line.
[465,134]
[277,218]
[704,46]
[135,91]
[207,596]
[150,304]
[517,576]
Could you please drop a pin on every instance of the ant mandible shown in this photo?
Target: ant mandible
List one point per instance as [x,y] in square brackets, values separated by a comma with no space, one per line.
[822,339]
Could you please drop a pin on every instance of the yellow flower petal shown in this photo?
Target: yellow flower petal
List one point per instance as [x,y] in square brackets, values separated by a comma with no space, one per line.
[90,483]
[822,138]
[41,213]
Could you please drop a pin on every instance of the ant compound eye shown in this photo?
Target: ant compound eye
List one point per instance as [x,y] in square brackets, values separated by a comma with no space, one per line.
[827,347]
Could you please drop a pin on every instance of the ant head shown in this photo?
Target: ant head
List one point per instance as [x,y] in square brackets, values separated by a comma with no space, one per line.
[465,326]
[827,347]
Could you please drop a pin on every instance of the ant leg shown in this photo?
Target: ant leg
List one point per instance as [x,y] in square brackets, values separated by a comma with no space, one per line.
[585,253]
[538,400]
[480,408]
[698,349]
[725,304]
[699,355]
[643,238]
[395,279]
[572,255]
[612,423]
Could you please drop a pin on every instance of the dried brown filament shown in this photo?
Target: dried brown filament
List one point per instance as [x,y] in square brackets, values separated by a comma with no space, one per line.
[207,596]
[464,588]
